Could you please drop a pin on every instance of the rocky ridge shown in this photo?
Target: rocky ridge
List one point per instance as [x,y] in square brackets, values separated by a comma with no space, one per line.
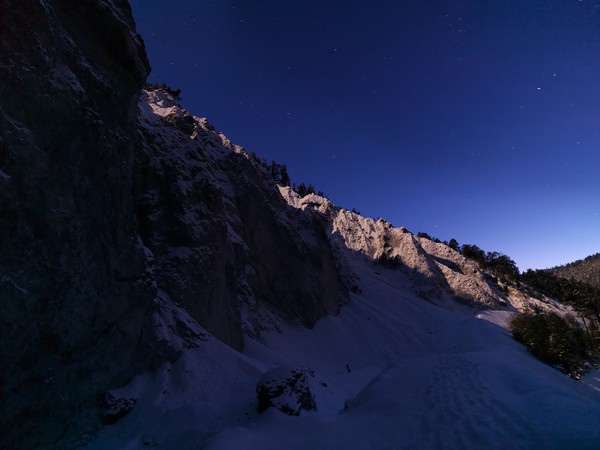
[437,272]
[433,270]
[193,184]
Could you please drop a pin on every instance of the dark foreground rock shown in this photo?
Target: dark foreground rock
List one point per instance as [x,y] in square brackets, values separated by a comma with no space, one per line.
[74,301]
[286,389]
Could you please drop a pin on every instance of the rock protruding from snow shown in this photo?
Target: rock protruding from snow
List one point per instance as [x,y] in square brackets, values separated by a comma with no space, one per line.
[113,409]
[286,389]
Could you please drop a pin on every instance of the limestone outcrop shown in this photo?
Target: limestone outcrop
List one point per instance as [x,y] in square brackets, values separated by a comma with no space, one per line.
[225,243]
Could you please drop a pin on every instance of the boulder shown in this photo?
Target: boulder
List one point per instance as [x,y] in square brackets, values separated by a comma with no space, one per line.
[288,390]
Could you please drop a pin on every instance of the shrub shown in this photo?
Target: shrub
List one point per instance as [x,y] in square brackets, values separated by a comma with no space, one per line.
[475,253]
[389,261]
[577,293]
[501,265]
[555,341]
[454,245]
[495,262]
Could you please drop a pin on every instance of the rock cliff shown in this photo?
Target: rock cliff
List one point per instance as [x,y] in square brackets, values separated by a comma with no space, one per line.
[116,232]
[225,243]
[73,299]
[433,270]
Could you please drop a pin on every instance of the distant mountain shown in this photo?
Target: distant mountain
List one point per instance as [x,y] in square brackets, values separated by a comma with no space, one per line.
[585,270]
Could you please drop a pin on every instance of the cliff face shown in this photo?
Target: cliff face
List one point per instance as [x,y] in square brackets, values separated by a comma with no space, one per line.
[110,225]
[224,242]
[73,299]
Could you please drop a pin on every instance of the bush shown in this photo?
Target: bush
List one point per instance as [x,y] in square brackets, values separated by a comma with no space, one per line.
[576,293]
[558,342]
[475,253]
[389,261]
[497,263]
[501,265]
[454,245]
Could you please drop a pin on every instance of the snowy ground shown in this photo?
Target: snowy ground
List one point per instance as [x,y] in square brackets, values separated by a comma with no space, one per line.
[400,373]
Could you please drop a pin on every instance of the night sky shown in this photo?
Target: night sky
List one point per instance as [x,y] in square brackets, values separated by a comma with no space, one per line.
[476,120]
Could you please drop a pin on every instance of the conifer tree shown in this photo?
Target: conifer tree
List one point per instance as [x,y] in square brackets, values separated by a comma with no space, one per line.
[284,177]
[302,190]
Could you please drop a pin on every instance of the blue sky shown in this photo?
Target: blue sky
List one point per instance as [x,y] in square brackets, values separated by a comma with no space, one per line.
[474,120]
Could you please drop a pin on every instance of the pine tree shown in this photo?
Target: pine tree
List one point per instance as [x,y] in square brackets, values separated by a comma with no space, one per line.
[302,191]
[274,171]
[284,177]
[454,245]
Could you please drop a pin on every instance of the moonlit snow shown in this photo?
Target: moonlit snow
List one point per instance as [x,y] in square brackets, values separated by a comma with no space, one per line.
[392,371]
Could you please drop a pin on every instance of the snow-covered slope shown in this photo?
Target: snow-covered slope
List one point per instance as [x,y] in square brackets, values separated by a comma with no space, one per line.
[392,371]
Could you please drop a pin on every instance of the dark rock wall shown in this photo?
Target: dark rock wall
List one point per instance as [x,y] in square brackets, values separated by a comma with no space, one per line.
[73,299]
[101,216]
[223,238]
[291,272]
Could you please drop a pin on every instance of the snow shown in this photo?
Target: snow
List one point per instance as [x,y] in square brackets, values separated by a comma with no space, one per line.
[163,104]
[399,372]
[157,106]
